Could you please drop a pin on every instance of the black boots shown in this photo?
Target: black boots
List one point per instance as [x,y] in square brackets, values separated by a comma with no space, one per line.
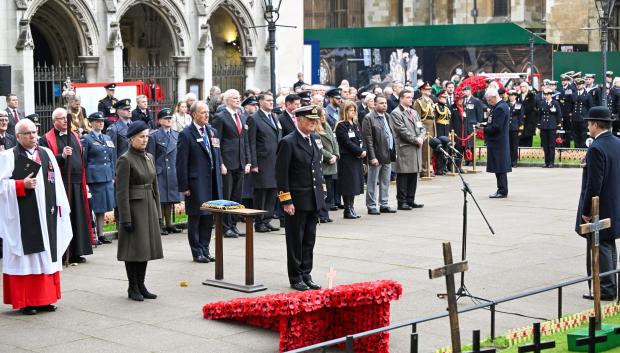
[349,211]
[136,272]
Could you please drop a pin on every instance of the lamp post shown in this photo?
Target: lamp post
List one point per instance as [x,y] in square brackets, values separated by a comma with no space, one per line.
[271,15]
[604,8]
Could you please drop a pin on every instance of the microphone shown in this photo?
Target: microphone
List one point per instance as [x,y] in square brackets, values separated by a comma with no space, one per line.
[447,144]
[436,145]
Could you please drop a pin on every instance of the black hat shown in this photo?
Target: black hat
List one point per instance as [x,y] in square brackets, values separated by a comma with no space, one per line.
[334,93]
[34,118]
[305,96]
[165,113]
[425,85]
[442,93]
[250,100]
[96,116]
[309,111]
[110,86]
[599,114]
[136,127]
[123,104]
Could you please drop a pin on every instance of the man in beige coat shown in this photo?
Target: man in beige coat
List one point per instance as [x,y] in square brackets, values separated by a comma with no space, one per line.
[409,137]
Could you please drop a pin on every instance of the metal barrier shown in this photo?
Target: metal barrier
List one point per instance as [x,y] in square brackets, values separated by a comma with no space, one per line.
[490,304]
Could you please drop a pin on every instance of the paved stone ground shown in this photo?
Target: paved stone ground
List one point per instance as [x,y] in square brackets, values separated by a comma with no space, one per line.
[534,246]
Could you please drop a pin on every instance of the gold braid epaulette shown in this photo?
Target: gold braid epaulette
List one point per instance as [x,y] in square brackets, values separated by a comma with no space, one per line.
[443,116]
[426,110]
[284,196]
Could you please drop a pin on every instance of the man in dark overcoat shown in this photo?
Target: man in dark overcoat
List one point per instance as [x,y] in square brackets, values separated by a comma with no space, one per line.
[498,144]
[302,195]
[600,178]
[232,131]
[265,132]
[199,178]
[163,146]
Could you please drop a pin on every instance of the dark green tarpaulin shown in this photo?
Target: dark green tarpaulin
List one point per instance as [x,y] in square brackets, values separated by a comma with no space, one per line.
[423,36]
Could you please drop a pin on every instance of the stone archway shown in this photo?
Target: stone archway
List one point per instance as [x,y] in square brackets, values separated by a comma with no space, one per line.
[243,21]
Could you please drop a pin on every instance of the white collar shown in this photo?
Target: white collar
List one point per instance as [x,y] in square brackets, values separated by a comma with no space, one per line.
[600,133]
[266,113]
[232,112]
[302,134]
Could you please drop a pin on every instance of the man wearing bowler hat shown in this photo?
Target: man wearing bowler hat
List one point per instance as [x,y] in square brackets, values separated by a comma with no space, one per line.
[302,195]
[600,178]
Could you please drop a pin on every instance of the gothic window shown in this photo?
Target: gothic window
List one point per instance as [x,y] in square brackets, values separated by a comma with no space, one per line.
[333,13]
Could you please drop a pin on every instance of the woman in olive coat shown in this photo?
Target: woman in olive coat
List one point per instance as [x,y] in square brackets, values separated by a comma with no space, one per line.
[352,153]
[330,155]
[137,197]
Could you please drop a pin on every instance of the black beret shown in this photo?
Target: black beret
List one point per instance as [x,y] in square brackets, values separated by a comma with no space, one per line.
[165,113]
[136,127]
[599,114]
[110,86]
[96,116]
[250,100]
[122,104]
[334,93]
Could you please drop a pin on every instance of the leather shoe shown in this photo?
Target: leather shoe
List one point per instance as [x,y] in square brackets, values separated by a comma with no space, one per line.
[230,234]
[48,308]
[77,260]
[104,240]
[239,234]
[261,228]
[324,220]
[29,310]
[497,196]
[311,284]
[173,229]
[404,207]
[387,210]
[334,208]
[271,228]
[210,258]
[416,205]
[163,231]
[201,259]
[373,211]
[590,296]
[300,286]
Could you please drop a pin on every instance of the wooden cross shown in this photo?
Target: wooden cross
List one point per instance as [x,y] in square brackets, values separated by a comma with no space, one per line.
[594,228]
[476,345]
[537,346]
[448,271]
[330,277]
[592,338]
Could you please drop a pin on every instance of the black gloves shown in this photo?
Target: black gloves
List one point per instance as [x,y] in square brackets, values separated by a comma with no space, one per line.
[128,227]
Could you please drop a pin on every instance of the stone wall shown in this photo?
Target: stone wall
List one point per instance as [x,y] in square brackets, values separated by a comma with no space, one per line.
[566,20]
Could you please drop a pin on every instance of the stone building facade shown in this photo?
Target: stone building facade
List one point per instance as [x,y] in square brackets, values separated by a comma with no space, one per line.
[105,37]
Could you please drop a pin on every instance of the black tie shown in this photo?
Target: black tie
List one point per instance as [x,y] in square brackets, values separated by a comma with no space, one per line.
[308,140]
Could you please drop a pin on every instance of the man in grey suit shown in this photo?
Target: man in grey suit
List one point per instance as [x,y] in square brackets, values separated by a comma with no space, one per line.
[409,136]
[12,110]
[379,142]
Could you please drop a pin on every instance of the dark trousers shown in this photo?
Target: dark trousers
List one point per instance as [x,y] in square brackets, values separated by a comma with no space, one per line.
[567,125]
[607,261]
[199,234]
[329,197]
[502,183]
[526,141]
[233,185]
[264,199]
[547,140]
[580,133]
[514,147]
[406,185]
[300,237]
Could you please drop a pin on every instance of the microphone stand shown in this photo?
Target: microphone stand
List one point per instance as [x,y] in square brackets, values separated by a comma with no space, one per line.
[462,290]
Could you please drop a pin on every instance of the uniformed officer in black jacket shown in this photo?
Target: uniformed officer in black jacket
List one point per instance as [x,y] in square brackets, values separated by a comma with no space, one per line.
[515,125]
[550,114]
[301,193]
[594,89]
[582,102]
[566,103]
[106,105]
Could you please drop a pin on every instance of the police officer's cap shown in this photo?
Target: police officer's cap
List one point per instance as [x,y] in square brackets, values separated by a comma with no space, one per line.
[165,113]
[590,75]
[334,93]
[34,118]
[599,114]
[579,81]
[123,104]
[251,100]
[136,127]
[309,112]
[305,96]
[110,86]
[96,116]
